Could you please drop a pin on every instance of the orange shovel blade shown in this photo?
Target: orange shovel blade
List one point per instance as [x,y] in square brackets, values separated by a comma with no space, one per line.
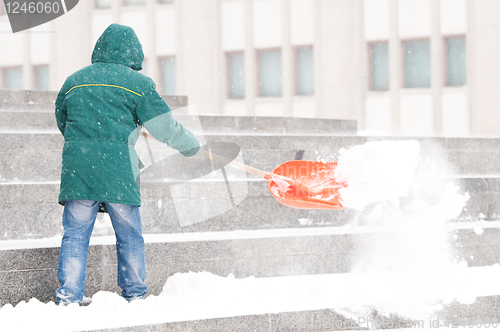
[313,187]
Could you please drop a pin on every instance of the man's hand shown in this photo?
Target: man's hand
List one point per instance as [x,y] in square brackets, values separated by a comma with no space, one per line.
[200,155]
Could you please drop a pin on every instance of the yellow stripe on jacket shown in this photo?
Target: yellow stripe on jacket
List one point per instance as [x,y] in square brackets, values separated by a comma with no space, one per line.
[113,86]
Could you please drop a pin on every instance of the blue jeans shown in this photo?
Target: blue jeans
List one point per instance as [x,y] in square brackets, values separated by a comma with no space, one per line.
[78,221]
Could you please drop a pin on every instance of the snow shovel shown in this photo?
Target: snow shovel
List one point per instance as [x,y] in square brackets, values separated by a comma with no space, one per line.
[300,184]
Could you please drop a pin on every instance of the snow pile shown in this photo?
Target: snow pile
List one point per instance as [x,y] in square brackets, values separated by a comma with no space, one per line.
[376,171]
[282,184]
[393,185]
[194,296]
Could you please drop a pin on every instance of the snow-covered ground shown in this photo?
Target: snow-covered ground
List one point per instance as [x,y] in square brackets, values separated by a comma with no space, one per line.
[194,296]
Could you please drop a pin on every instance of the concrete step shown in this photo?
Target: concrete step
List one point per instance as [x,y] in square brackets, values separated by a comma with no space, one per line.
[30,166]
[37,157]
[22,121]
[41,215]
[41,119]
[24,110]
[27,273]
[28,100]
[314,320]
[258,210]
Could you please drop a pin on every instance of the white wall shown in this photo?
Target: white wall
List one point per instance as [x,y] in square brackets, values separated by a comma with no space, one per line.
[71,42]
[376,19]
[99,21]
[453,17]
[166,33]
[269,109]
[414,18]
[484,63]
[267,23]
[233,26]
[416,115]
[235,108]
[378,114]
[302,22]
[40,44]
[455,108]
[136,18]
[304,109]
[11,46]
[339,61]
[200,66]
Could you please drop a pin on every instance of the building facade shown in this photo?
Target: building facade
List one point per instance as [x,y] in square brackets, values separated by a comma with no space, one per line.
[399,67]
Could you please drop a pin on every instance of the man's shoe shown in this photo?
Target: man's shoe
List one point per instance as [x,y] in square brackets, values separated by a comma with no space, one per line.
[86,301]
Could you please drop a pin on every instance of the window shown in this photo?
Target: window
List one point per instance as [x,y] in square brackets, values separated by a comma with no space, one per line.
[103,4]
[270,73]
[379,66]
[304,71]
[235,75]
[134,2]
[13,78]
[42,78]
[417,64]
[168,76]
[455,61]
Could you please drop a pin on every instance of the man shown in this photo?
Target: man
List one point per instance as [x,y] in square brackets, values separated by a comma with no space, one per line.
[100,110]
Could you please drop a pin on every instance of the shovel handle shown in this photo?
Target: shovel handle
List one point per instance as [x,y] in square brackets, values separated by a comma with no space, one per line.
[240,166]
[223,160]
[266,175]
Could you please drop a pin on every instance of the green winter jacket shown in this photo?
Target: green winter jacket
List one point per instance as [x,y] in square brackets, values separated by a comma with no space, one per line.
[100,110]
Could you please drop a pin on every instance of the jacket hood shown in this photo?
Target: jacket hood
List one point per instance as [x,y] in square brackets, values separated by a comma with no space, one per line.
[119,44]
